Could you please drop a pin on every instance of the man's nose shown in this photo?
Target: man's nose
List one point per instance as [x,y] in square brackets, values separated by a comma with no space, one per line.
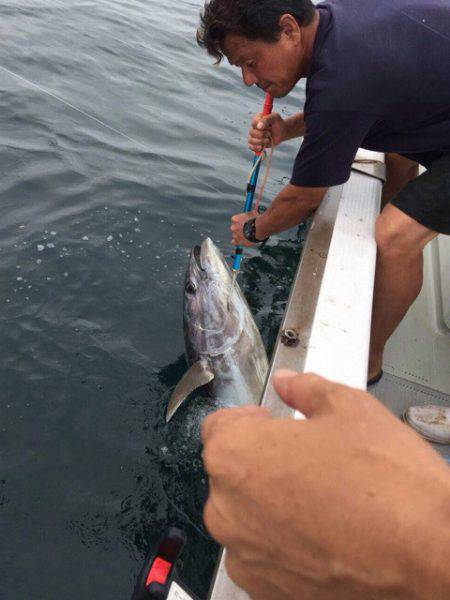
[248,77]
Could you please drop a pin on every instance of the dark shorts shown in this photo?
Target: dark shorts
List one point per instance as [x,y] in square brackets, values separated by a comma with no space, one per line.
[426,199]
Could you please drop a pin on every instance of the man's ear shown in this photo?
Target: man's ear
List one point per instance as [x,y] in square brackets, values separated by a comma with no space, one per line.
[290,28]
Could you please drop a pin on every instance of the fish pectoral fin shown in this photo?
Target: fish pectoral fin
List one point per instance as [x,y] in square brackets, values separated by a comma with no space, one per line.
[198,374]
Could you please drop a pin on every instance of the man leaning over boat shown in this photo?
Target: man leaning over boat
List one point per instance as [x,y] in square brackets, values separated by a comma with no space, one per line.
[366,514]
[378,77]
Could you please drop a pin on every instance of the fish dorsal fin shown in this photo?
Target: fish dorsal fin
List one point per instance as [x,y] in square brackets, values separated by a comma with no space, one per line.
[198,374]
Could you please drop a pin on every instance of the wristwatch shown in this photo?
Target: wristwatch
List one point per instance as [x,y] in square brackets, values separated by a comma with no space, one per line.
[249,231]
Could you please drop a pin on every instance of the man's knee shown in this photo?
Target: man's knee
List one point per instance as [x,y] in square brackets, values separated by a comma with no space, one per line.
[398,234]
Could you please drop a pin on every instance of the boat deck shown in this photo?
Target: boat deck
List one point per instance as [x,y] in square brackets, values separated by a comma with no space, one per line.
[417,357]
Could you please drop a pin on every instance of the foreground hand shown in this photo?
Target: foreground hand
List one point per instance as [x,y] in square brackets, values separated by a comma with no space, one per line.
[266,132]
[237,223]
[349,504]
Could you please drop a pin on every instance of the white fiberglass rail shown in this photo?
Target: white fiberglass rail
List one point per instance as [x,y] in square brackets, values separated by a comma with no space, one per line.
[326,326]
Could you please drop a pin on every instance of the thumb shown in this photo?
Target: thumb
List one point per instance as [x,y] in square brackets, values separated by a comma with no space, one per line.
[267,121]
[307,393]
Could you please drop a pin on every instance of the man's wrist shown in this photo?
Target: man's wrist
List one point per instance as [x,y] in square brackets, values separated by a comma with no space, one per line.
[261,231]
[250,234]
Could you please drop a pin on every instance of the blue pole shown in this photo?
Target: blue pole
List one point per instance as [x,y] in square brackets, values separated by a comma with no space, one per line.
[251,187]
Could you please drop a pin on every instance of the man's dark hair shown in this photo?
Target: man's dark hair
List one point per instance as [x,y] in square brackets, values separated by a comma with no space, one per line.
[253,19]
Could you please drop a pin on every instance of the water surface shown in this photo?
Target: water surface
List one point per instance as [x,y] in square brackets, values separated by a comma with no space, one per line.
[95,231]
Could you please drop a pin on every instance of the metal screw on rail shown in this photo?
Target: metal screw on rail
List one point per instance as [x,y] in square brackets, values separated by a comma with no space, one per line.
[251,187]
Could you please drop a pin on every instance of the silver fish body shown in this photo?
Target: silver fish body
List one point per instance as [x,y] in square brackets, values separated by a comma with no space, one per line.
[223,345]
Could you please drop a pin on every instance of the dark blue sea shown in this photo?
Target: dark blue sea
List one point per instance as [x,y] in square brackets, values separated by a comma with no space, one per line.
[101,198]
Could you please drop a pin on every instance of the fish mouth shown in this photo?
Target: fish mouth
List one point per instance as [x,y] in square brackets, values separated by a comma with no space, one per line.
[207,261]
[197,254]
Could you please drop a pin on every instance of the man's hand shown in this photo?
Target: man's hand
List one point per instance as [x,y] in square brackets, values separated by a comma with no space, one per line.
[237,223]
[290,207]
[266,131]
[348,504]
[272,129]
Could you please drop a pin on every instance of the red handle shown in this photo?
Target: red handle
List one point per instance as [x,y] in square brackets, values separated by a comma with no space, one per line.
[267,109]
[268,105]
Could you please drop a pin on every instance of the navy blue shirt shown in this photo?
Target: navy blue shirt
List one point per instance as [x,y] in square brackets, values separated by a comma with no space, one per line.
[379,79]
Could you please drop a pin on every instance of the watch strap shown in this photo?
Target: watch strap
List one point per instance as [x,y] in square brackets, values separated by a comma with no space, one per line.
[249,231]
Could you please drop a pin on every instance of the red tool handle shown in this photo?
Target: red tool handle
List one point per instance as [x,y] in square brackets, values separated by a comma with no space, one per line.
[268,105]
[267,109]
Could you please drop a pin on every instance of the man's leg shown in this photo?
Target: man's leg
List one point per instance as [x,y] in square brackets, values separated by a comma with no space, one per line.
[399,171]
[398,280]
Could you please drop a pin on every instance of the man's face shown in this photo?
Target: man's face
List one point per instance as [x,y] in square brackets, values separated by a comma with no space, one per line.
[274,67]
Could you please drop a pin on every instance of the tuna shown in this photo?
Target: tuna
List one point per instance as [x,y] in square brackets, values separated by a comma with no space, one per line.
[224,348]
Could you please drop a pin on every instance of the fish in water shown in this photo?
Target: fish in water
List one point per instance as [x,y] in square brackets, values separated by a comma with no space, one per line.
[223,345]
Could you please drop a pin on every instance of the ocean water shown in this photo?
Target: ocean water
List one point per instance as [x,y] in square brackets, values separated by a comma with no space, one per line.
[99,208]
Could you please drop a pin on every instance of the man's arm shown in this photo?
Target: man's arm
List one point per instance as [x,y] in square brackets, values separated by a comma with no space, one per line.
[289,208]
[295,126]
[348,504]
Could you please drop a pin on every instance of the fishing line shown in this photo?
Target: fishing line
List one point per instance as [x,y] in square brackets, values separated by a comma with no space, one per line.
[143,145]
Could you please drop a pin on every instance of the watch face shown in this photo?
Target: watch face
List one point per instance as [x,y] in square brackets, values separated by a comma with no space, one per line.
[249,230]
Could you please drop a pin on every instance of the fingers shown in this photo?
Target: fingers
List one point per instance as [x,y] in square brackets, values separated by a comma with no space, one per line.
[308,393]
[238,239]
[259,136]
[241,218]
[258,142]
[237,224]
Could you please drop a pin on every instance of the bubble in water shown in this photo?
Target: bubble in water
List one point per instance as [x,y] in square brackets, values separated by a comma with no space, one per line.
[40,247]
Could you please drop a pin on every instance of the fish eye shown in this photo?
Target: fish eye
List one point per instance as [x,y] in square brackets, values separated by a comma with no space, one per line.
[190,288]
